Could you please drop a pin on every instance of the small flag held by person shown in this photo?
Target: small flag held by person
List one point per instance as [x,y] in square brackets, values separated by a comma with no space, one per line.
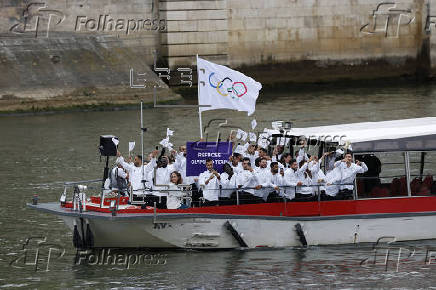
[253,124]
[131,146]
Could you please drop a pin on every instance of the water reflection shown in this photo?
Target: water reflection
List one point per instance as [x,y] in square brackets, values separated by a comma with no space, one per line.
[38,153]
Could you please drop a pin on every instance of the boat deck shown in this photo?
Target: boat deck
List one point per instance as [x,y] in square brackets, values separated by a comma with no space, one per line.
[327,210]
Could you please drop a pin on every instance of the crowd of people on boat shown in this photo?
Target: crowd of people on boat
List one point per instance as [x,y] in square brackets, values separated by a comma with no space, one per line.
[251,175]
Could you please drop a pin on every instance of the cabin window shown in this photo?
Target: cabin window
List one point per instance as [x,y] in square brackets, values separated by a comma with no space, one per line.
[386,175]
[422,173]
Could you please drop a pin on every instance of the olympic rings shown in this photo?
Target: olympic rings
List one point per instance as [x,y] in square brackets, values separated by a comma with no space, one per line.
[233,88]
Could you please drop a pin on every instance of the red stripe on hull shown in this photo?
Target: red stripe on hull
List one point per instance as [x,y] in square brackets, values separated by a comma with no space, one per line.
[296,209]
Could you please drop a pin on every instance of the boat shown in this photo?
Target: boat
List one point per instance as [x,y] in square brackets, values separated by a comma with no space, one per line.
[397,200]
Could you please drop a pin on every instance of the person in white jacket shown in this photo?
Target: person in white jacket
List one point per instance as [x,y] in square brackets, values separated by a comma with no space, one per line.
[252,153]
[138,172]
[180,164]
[174,199]
[235,162]
[274,183]
[263,176]
[293,179]
[247,182]
[228,183]
[348,171]
[209,182]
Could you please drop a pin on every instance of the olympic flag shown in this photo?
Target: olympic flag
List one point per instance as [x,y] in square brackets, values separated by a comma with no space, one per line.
[223,88]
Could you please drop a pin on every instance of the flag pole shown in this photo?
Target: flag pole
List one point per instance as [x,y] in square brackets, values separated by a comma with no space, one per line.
[201,126]
[199,108]
[142,147]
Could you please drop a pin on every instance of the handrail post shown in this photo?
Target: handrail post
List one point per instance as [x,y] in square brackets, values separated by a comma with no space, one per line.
[154,213]
[319,193]
[406,161]
[237,197]
[102,197]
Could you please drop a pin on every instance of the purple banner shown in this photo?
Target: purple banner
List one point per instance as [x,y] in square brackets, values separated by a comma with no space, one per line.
[198,152]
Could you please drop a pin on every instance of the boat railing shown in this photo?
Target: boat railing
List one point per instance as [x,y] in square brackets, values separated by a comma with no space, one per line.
[79,192]
[285,191]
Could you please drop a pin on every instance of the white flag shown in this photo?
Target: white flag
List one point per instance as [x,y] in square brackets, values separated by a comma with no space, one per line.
[240,149]
[131,146]
[253,124]
[239,134]
[253,137]
[244,136]
[224,88]
[169,132]
[116,141]
[263,140]
[165,142]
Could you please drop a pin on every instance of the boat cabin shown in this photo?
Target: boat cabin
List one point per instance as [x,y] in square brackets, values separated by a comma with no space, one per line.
[400,155]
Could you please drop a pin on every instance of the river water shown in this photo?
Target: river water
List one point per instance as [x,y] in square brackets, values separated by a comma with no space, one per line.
[39,152]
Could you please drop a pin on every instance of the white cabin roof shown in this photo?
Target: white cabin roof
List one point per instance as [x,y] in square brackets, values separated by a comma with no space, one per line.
[371,131]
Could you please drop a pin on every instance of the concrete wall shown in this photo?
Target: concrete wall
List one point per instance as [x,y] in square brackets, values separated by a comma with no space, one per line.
[74,48]
[432,31]
[195,27]
[300,40]
[86,48]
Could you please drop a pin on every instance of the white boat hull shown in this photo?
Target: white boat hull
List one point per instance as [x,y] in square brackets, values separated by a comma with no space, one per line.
[212,233]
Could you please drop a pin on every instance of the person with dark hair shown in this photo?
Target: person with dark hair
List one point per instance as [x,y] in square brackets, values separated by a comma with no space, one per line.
[228,185]
[138,172]
[348,172]
[235,162]
[293,178]
[118,179]
[209,182]
[276,181]
[301,155]
[174,199]
[257,162]
[161,179]
[286,160]
[252,153]
[277,153]
[332,156]
[247,182]
[264,153]
[263,176]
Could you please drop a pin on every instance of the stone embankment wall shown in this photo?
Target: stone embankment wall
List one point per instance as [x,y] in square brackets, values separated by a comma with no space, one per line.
[302,40]
[81,51]
[432,30]
[78,52]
